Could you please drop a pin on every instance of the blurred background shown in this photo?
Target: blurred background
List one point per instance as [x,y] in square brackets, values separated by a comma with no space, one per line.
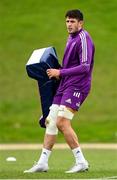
[26,25]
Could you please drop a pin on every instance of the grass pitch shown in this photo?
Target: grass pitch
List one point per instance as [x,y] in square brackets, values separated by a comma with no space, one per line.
[103,164]
[30,24]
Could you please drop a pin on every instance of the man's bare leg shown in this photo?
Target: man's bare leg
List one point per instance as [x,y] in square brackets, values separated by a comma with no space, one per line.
[49,141]
[64,125]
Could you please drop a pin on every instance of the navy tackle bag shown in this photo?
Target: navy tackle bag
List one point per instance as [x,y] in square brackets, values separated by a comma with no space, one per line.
[38,63]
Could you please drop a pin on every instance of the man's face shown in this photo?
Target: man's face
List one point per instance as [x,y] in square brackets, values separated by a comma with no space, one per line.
[73,25]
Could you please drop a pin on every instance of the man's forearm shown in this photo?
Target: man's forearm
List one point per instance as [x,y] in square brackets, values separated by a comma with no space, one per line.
[83,68]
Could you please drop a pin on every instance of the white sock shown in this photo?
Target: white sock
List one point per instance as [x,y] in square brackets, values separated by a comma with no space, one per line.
[44,156]
[79,157]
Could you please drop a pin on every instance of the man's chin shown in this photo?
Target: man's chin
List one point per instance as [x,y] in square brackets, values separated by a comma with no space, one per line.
[72,32]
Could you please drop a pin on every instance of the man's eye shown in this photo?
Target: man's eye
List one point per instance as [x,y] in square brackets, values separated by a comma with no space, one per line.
[72,21]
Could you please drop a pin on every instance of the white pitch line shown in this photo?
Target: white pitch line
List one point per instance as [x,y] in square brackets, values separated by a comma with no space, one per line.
[57,146]
[59,179]
[112,177]
[52,179]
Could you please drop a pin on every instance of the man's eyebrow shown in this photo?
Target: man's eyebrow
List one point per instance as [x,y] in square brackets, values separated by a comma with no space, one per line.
[70,20]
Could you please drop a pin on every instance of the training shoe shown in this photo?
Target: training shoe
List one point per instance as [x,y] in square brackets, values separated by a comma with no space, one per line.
[80,167]
[38,168]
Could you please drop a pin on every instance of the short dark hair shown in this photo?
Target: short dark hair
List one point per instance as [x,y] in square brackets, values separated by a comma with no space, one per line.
[75,13]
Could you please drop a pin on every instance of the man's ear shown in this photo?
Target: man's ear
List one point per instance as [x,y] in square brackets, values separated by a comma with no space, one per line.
[81,23]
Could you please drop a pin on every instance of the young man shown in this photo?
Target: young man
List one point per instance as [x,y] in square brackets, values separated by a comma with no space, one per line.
[75,84]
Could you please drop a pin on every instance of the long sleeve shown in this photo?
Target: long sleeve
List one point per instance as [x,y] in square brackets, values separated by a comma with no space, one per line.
[83,68]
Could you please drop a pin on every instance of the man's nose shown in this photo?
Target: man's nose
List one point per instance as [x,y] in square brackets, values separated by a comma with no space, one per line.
[69,24]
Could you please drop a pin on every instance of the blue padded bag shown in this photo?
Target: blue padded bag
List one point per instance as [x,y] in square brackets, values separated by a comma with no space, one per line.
[38,63]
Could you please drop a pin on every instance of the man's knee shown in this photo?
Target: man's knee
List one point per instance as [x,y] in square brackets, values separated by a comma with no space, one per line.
[60,124]
[51,127]
[63,124]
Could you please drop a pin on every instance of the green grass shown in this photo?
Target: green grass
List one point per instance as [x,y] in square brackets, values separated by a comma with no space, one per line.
[103,163]
[30,24]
